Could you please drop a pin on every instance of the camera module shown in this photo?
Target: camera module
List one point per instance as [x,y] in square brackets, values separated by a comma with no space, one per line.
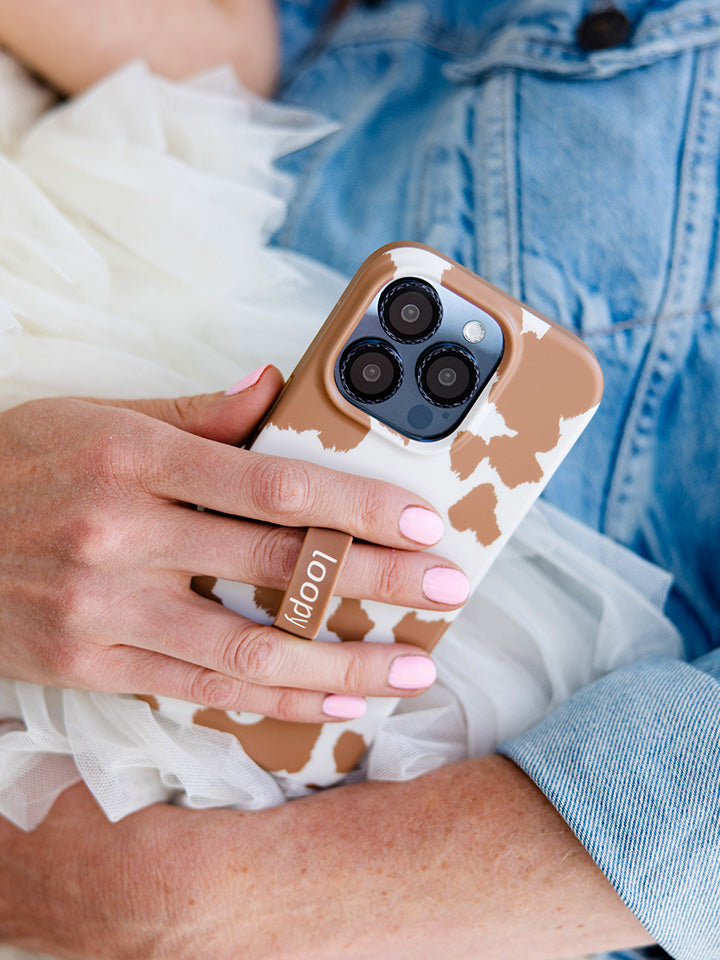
[447,375]
[371,371]
[410,310]
[418,358]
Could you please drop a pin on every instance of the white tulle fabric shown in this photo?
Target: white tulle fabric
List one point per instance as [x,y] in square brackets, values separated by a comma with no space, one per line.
[133,262]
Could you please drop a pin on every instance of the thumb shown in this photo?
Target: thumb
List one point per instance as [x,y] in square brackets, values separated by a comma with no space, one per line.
[226,417]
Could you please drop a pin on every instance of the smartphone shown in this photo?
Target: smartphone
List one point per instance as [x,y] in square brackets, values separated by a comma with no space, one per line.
[429,377]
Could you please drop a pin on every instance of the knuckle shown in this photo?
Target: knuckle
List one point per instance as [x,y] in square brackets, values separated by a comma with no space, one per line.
[357,673]
[214,690]
[392,578]
[61,660]
[275,554]
[287,704]
[111,459]
[87,539]
[251,653]
[66,657]
[279,488]
[76,617]
[73,605]
[371,507]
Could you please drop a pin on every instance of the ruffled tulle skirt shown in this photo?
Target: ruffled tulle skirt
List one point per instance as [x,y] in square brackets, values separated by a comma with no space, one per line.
[134,261]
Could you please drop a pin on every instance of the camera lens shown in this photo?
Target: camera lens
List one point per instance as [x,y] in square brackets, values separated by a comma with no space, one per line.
[410,310]
[448,375]
[371,371]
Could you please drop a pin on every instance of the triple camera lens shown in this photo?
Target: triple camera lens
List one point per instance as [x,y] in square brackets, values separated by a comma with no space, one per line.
[410,310]
[448,375]
[371,371]
[418,358]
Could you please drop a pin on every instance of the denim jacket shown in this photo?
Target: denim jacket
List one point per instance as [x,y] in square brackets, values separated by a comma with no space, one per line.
[585,182]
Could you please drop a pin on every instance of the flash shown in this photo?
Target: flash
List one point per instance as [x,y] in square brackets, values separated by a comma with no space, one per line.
[474,331]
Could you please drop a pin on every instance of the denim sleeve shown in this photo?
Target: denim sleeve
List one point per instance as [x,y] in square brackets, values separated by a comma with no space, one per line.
[632,763]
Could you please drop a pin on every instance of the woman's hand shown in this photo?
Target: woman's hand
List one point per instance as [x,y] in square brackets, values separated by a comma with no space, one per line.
[99,545]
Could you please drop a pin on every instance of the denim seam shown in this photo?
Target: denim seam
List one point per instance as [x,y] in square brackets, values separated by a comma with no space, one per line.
[622,326]
[403,25]
[406,25]
[695,227]
[659,366]
[562,57]
[693,217]
[496,227]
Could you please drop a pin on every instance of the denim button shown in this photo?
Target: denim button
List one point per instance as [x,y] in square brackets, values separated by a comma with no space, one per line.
[603,29]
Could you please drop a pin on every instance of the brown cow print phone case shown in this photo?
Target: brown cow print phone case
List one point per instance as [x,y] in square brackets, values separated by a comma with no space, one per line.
[491,398]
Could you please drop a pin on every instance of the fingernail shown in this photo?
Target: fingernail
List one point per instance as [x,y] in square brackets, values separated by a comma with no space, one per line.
[249,381]
[421,525]
[444,585]
[412,673]
[343,708]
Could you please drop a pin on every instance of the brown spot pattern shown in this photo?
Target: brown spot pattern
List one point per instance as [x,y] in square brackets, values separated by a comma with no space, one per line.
[350,621]
[205,586]
[548,385]
[310,410]
[348,750]
[541,381]
[422,633]
[476,512]
[466,452]
[268,600]
[273,744]
[149,699]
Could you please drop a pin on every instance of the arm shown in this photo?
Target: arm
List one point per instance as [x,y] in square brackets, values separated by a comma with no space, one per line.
[470,860]
[632,763]
[73,43]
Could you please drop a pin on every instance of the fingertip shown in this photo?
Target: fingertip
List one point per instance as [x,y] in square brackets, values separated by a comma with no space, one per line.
[446,585]
[267,372]
[340,707]
[421,525]
[415,672]
[245,404]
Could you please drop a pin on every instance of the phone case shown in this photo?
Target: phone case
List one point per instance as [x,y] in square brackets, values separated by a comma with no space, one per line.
[482,478]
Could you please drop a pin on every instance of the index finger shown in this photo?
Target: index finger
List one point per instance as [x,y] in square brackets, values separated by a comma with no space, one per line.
[289,492]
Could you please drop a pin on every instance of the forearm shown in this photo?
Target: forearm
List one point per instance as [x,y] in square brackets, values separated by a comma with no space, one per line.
[469,860]
[73,43]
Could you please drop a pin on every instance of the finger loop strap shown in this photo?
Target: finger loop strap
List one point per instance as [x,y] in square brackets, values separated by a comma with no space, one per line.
[311,586]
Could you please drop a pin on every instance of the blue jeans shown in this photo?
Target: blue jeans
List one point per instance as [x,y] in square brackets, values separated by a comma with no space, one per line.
[585,183]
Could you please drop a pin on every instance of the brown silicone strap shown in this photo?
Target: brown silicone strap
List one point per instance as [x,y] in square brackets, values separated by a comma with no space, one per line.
[311,585]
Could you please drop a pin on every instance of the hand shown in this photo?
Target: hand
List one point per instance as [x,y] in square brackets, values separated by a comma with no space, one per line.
[469,861]
[100,545]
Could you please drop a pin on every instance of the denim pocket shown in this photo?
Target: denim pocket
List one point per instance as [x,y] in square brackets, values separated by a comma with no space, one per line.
[484,130]
[543,37]
[600,167]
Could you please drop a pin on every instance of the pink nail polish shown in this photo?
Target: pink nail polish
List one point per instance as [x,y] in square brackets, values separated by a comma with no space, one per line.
[444,585]
[343,708]
[249,381]
[421,525]
[412,673]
